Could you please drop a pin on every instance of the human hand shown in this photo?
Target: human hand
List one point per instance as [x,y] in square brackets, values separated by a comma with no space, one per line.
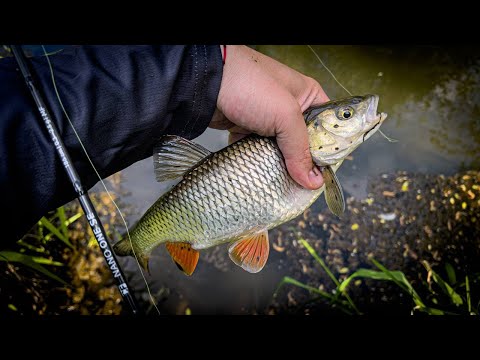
[260,95]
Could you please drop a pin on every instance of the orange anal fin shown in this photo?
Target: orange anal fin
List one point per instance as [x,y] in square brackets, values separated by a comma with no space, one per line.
[251,253]
[184,256]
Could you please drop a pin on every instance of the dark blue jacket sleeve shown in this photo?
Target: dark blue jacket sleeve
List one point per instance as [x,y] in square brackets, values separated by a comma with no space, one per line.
[121,99]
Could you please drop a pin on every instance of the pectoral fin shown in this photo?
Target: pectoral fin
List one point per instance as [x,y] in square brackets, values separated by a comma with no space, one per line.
[251,253]
[184,256]
[173,156]
[333,192]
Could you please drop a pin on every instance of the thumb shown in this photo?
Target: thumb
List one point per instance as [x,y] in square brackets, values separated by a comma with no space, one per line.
[292,138]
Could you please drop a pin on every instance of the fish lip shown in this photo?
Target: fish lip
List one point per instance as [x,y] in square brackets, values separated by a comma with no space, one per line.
[380,118]
[373,115]
[371,129]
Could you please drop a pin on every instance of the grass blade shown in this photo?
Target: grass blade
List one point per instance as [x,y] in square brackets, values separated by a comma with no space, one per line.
[452,278]
[365,273]
[31,247]
[11,256]
[45,222]
[446,288]
[433,311]
[63,219]
[469,300]
[288,280]
[324,266]
[73,219]
[45,261]
[399,278]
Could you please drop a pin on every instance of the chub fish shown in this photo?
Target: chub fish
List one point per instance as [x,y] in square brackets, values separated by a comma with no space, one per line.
[237,194]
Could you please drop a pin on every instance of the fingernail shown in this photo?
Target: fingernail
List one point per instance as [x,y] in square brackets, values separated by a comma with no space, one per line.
[316,180]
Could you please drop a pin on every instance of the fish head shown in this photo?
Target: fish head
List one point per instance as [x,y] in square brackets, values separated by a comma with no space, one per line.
[337,127]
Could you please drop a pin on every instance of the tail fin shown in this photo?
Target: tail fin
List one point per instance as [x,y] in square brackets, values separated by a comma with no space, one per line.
[123,248]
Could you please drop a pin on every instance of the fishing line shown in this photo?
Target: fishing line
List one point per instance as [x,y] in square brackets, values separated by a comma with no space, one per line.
[344,88]
[99,177]
[326,68]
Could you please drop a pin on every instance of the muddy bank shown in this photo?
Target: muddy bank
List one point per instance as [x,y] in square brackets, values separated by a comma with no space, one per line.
[88,287]
[405,219]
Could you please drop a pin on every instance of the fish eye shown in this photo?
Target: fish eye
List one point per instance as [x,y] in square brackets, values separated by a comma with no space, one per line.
[345,113]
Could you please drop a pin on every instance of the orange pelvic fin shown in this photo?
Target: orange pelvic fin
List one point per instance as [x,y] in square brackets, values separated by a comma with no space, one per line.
[251,253]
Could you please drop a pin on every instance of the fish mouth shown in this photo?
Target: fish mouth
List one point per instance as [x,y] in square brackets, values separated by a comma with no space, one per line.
[373,116]
[366,133]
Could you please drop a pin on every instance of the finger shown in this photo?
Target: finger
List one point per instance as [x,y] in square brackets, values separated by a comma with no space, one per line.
[312,95]
[318,95]
[219,121]
[292,138]
[305,89]
[321,98]
[234,136]
[239,129]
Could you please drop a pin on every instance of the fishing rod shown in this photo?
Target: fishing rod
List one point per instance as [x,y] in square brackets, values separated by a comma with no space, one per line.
[83,197]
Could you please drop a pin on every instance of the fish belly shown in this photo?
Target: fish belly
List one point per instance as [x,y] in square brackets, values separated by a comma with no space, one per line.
[241,189]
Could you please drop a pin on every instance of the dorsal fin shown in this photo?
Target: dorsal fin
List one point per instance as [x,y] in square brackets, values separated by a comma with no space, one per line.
[173,156]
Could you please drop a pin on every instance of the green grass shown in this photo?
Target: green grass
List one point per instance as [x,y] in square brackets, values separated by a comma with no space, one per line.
[53,228]
[32,262]
[459,295]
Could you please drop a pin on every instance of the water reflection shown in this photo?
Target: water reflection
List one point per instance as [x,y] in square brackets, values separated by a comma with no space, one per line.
[430,93]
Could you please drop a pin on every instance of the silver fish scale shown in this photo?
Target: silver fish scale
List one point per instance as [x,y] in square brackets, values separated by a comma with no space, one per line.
[239,190]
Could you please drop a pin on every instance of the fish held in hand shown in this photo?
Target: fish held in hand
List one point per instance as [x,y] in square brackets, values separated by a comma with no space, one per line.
[237,194]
